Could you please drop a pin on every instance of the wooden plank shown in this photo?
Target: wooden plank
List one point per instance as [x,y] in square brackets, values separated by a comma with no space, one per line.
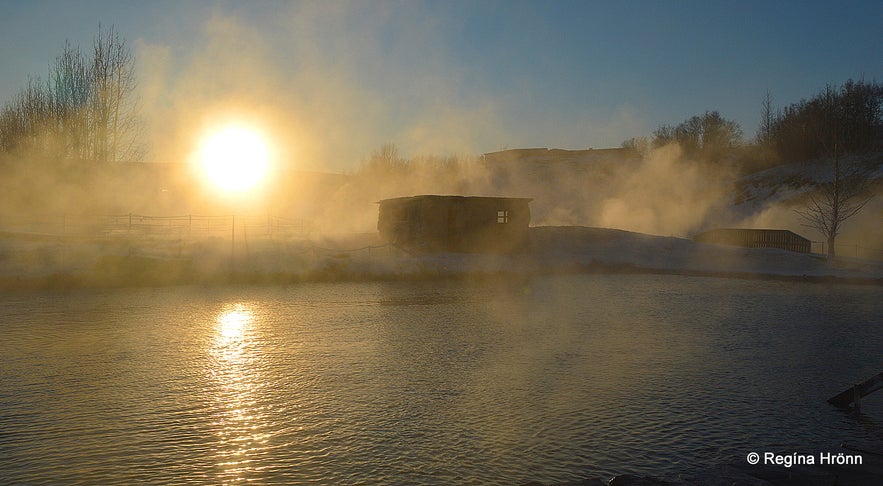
[848,396]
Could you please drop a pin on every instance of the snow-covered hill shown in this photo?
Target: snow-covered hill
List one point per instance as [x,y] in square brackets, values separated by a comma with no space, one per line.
[769,198]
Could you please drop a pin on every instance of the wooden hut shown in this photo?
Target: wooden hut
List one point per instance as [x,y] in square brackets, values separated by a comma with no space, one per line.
[756,238]
[455,223]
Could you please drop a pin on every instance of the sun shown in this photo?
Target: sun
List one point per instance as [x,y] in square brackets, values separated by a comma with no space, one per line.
[235,158]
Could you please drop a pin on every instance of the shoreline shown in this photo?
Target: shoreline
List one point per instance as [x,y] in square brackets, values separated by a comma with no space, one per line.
[165,275]
[29,263]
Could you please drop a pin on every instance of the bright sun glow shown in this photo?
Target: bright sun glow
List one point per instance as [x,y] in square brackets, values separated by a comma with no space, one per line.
[233,323]
[235,159]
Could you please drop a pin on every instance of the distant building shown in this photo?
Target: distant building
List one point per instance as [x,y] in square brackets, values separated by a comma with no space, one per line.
[455,223]
[756,238]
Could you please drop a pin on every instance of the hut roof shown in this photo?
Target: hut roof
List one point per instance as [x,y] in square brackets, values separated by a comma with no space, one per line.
[471,198]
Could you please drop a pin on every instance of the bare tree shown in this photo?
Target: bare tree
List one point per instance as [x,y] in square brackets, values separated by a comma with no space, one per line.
[707,134]
[85,110]
[835,202]
[847,193]
[641,145]
[70,89]
[718,132]
[851,113]
[386,161]
[113,104]
[664,135]
[24,121]
[767,120]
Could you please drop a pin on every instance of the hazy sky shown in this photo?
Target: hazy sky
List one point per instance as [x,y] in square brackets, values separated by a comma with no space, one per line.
[334,80]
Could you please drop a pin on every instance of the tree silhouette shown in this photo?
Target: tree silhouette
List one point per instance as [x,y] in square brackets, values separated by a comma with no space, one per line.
[705,134]
[86,109]
[113,79]
[841,198]
[851,115]
[764,135]
[835,202]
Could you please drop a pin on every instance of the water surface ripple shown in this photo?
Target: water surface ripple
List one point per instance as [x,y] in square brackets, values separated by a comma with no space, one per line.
[492,382]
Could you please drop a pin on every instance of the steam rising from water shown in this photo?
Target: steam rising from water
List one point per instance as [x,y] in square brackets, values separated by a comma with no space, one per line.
[662,193]
[329,90]
[666,194]
[325,101]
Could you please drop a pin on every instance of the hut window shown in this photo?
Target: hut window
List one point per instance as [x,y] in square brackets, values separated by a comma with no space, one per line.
[502,217]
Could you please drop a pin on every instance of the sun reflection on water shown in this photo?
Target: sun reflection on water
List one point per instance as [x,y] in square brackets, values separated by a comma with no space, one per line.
[233,323]
[240,422]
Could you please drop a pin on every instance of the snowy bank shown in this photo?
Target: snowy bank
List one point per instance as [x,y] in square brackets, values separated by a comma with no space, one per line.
[35,261]
[616,247]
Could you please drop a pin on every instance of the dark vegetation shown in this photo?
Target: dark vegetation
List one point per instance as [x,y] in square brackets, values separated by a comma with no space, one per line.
[847,117]
[835,123]
[707,135]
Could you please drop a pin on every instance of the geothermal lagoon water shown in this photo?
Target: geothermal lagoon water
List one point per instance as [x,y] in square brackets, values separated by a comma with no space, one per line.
[449,382]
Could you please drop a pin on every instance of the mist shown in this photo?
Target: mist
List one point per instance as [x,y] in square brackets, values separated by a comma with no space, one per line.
[331,91]
[222,291]
[326,92]
[347,126]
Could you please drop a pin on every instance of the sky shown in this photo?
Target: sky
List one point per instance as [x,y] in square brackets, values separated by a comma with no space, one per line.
[332,81]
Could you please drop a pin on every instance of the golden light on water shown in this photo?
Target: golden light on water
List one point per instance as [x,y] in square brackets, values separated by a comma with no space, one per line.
[240,424]
[234,322]
[235,158]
